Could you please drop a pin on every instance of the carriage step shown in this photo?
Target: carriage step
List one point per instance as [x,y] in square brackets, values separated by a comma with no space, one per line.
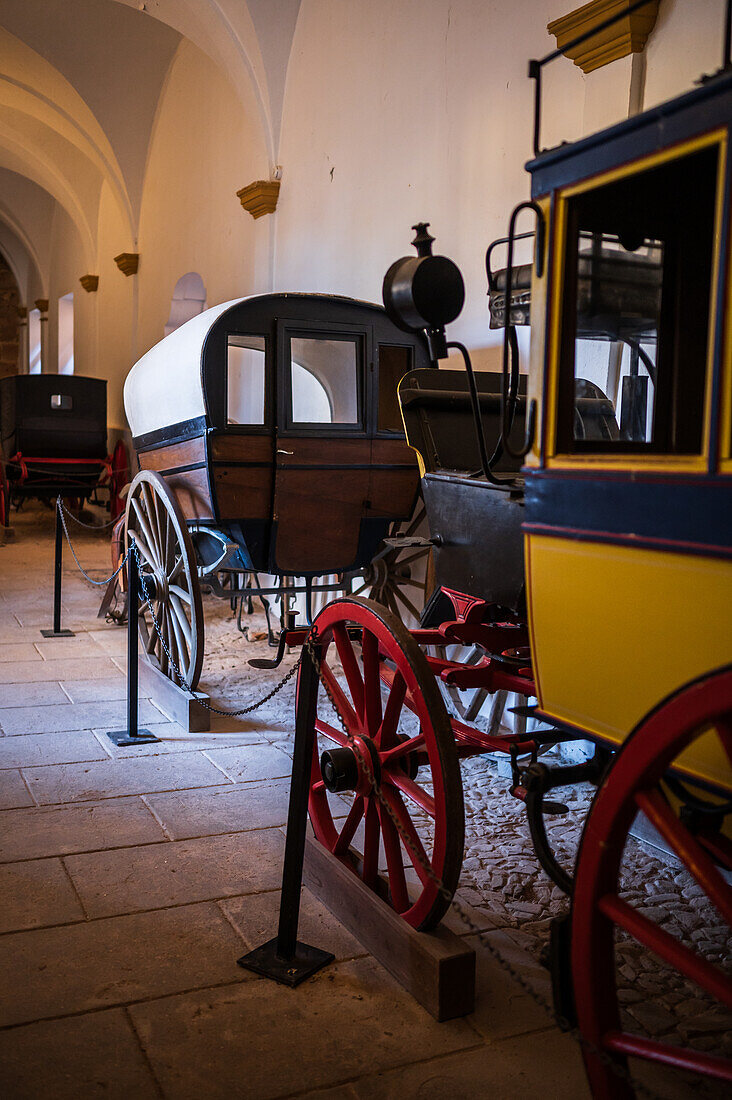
[407,542]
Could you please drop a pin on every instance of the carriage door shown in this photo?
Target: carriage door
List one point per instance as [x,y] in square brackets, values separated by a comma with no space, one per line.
[322,449]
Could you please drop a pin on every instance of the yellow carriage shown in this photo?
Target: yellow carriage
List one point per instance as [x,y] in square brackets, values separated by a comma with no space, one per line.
[596,577]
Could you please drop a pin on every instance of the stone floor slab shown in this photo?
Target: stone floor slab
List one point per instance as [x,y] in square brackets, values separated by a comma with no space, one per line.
[185,871]
[224,810]
[61,830]
[348,1020]
[80,967]
[50,748]
[548,1065]
[256,918]
[81,645]
[73,668]
[13,791]
[73,716]
[93,1055]
[173,738]
[257,762]
[502,1008]
[31,695]
[110,778]
[97,691]
[35,894]
[18,651]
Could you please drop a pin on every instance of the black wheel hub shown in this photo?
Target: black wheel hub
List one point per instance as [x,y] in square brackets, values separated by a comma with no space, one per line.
[342,769]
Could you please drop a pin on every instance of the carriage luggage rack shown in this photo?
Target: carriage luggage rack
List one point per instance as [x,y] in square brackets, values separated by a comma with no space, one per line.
[618,290]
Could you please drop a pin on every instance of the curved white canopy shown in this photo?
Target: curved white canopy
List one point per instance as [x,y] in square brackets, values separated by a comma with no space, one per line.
[164,386]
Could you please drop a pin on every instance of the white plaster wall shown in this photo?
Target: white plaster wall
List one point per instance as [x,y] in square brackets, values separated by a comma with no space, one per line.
[204,149]
[421,110]
[66,264]
[114,308]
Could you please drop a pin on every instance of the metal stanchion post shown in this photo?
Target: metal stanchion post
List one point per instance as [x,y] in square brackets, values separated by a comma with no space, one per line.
[56,631]
[132,735]
[284,958]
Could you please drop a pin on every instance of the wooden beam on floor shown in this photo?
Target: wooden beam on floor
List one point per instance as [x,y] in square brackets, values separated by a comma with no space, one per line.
[437,968]
[179,705]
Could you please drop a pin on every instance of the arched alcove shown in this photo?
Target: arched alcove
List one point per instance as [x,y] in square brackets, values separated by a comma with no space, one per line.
[9,302]
[189,299]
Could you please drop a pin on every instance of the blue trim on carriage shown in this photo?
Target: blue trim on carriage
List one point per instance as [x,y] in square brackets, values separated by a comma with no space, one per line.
[699,111]
[683,514]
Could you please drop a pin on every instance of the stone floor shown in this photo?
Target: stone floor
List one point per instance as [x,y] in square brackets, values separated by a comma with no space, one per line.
[132,879]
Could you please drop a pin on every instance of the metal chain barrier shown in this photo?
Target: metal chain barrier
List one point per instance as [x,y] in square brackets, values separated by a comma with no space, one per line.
[118,570]
[561,1022]
[181,678]
[80,523]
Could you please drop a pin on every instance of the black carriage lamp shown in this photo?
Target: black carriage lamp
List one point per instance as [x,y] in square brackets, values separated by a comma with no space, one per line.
[423,293]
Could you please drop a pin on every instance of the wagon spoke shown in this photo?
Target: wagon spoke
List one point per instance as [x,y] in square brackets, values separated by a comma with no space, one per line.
[413,557]
[387,734]
[350,666]
[372,682]
[180,615]
[145,527]
[329,731]
[401,750]
[147,501]
[414,849]
[180,593]
[349,828]
[181,651]
[144,549]
[413,791]
[688,850]
[343,706]
[668,948]
[371,844]
[175,570]
[394,862]
[407,603]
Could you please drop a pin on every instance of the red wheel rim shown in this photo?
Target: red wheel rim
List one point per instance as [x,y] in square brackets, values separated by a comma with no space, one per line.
[392,709]
[632,784]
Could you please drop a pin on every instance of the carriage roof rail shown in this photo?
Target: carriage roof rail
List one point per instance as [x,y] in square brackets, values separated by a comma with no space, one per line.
[537,64]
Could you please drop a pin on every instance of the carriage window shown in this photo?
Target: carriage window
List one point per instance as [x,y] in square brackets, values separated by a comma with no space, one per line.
[245,359]
[636,314]
[394,363]
[324,378]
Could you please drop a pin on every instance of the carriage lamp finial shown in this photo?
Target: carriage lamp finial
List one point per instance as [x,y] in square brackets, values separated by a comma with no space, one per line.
[422,240]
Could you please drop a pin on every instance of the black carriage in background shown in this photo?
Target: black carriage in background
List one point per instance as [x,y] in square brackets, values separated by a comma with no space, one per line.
[54,440]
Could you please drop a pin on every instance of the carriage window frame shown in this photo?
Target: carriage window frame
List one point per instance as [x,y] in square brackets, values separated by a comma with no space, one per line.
[265,424]
[360,335]
[633,456]
[389,433]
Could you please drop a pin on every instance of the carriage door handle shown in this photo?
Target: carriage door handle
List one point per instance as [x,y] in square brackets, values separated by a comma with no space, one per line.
[281,452]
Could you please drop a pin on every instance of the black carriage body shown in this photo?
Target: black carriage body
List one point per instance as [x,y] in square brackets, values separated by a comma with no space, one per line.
[46,419]
[300,457]
[475,526]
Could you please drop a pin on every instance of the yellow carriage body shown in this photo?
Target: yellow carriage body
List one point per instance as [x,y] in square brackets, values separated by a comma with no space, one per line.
[627,532]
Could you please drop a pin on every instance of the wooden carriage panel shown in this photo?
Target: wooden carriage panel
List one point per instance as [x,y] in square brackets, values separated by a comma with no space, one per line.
[394,479]
[192,493]
[243,492]
[241,448]
[319,453]
[190,452]
[392,493]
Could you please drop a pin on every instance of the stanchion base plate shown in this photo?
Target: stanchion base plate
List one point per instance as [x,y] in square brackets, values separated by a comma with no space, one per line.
[306,961]
[58,634]
[122,737]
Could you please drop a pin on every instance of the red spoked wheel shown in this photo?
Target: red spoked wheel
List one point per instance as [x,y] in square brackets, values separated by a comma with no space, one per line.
[643,777]
[395,729]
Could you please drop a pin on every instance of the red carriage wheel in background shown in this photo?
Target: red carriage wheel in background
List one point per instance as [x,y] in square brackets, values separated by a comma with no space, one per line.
[392,710]
[600,915]
[120,478]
